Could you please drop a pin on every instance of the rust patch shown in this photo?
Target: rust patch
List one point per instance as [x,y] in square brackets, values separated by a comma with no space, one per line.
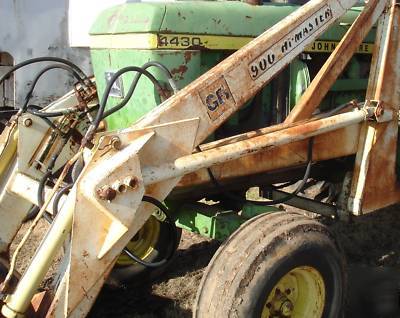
[181,16]
[380,187]
[331,145]
[179,71]
[187,56]
[40,305]
[106,193]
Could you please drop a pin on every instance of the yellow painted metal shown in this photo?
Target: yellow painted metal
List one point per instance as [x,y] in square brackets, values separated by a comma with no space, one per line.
[298,294]
[27,286]
[329,46]
[124,41]
[211,42]
[8,147]
[143,243]
[151,41]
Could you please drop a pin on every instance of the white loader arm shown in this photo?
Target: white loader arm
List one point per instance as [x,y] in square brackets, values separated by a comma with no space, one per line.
[105,208]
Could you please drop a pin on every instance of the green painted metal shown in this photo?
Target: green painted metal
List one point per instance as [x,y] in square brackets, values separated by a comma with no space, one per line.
[185,68]
[213,221]
[205,17]
[130,17]
[198,17]
[299,81]
[250,210]
[211,18]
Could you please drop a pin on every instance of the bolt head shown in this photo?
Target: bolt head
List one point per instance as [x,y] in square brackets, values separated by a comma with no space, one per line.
[106,193]
[286,308]
[115,143]
[132,182]
[27,122]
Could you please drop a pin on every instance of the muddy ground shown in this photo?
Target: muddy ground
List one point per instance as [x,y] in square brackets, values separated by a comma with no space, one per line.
[371,240]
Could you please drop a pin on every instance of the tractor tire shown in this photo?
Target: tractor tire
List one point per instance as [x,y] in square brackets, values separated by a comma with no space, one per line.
[275,265]
[152,243]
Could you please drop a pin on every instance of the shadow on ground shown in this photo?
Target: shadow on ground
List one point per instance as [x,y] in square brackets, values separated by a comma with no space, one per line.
[371,244]
[170,296]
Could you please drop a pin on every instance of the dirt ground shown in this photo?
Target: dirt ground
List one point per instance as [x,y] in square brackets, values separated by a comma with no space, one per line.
[371,240]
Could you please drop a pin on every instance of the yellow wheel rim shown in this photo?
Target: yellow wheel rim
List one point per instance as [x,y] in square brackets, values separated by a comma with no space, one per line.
[298,294]
[143,243]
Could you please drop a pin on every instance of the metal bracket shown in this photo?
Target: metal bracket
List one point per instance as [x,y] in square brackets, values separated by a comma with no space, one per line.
[378,111]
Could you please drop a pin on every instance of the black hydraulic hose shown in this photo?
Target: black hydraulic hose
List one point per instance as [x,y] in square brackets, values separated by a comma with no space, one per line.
[41,188]
[44,114]
[40,197]
[87,111]
[7,112]
[42,183]
[166,71]
[103,102]
[33,211]
[271,202]
[141,71]
[159,66]
[58,197]
[45,119]
[42,72]
[45,59]
[174,235]
[135,82]
[75,172]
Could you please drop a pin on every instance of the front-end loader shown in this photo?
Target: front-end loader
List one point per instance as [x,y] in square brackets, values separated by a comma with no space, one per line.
[114,180]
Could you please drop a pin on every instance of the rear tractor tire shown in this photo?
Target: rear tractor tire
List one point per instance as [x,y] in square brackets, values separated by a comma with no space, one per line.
[274,266]
[152,243]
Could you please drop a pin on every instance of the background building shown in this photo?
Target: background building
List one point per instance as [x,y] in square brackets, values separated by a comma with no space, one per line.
[31,29]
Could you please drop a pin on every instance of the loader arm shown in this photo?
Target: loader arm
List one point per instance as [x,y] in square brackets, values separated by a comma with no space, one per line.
[151,156]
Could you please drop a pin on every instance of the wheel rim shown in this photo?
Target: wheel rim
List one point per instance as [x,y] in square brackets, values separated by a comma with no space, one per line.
[300,293]
[143,243]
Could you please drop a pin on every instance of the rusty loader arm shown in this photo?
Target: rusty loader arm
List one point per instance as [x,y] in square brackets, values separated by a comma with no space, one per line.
[105,207]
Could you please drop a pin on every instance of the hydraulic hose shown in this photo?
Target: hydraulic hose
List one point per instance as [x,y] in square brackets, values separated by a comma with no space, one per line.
[45,59]
[173,233]
[272,202]
[141,71]
[41,73]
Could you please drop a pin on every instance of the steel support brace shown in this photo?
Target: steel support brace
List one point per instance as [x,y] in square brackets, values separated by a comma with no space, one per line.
[374,182]
[307,204]
[208,158]
[336,63]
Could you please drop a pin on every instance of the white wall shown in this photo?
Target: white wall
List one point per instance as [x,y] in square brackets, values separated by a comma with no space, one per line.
[33,28]
[81,16]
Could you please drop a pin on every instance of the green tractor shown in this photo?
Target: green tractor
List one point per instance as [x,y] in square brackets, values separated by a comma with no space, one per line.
[178,131]
[177,42]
